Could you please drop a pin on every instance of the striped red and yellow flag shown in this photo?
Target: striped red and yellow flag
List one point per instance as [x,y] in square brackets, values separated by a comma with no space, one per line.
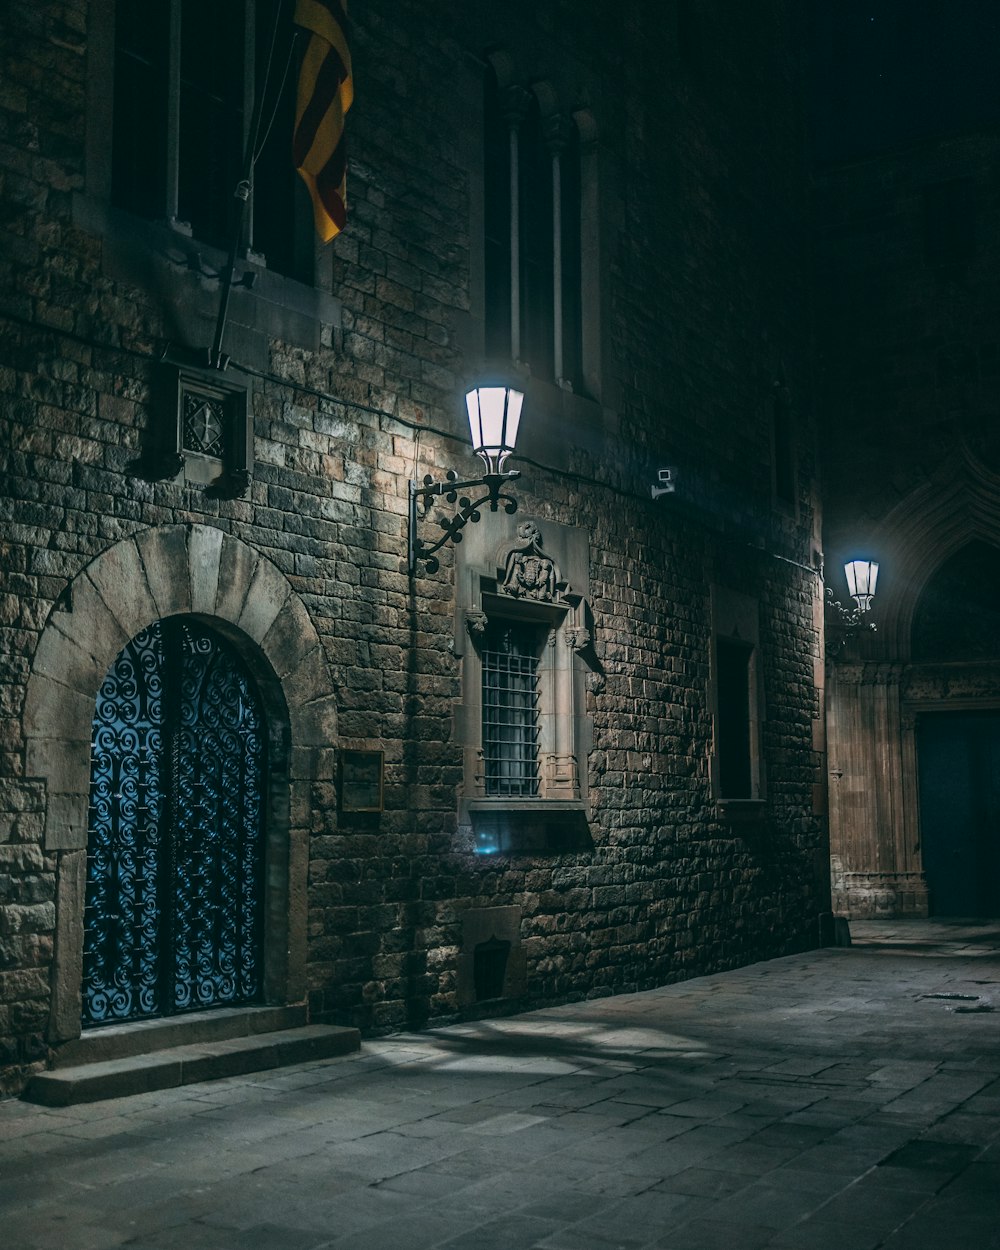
[326,92]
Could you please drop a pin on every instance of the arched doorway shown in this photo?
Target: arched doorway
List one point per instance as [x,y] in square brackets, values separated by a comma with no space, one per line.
[175,843]
[198,573]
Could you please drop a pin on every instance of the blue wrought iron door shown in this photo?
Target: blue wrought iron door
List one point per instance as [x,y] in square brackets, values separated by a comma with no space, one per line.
[173,913]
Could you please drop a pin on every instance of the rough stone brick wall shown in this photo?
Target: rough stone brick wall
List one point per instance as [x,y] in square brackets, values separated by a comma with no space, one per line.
[704,303]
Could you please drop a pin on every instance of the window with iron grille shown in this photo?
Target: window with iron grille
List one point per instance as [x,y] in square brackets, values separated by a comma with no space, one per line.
[510,709]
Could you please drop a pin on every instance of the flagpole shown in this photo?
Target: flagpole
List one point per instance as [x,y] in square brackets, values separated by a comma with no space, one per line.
[216,359]
[242,194]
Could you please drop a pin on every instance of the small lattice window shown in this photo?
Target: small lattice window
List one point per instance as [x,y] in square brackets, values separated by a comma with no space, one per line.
[510,709]
[204,425]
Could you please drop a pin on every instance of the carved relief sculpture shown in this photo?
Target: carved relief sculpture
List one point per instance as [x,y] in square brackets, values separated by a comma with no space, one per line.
[527,572]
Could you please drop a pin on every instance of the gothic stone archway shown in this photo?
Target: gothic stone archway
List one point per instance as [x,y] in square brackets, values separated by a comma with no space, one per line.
[199,571]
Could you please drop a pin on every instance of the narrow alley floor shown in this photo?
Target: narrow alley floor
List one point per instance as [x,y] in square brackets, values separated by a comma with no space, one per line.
[844,1098]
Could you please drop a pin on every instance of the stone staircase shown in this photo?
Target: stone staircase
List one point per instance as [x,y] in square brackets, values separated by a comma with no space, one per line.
[120,1060]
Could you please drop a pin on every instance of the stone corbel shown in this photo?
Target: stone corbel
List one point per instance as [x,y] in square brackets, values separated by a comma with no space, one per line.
[233,484]
[476,621]
[157,466]
[578,638]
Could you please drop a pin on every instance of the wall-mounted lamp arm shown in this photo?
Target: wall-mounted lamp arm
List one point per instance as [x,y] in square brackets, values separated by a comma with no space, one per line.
[843,625]
[468,510]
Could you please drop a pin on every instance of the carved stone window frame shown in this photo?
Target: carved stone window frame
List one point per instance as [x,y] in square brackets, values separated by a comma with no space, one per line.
[520,575]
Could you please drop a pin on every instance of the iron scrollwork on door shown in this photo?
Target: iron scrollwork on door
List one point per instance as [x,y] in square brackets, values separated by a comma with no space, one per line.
[175,859]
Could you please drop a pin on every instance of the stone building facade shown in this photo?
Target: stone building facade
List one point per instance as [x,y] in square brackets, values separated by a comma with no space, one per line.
[909,269]
[207,566]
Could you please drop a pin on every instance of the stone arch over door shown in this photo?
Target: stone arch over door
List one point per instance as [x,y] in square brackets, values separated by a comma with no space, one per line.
[918,536]
[876,697]
[199,571]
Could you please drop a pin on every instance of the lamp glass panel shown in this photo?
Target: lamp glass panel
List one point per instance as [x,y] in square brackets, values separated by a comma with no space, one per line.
[872,575]
[492,409]
[861,577]
[475,427]
[513,418]
[494,417]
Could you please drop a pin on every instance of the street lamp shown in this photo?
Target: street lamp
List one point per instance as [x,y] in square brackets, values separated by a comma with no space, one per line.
[494,417]
[861,578]
[845,624]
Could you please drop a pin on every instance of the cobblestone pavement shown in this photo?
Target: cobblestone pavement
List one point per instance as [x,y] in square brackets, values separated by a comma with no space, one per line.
[842,1098]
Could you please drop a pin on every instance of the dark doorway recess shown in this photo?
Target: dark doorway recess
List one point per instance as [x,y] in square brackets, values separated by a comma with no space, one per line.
[959,772]
[490,968]
[173,917]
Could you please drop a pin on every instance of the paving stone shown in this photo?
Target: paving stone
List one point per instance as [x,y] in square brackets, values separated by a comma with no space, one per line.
[502,1234]
[393,1148]
[704,1182]
[715,1235]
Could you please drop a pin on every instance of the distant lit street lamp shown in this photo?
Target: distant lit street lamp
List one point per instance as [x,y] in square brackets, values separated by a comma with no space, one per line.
[861,578]
[844,624]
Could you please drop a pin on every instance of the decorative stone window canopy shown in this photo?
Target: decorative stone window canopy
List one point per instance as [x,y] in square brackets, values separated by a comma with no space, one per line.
[536,575]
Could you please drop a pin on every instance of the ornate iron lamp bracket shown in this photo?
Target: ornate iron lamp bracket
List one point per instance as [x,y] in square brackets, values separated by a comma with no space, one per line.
[843,625]
[468,510]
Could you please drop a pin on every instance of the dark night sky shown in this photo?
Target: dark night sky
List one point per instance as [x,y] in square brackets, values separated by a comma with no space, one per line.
[888,72]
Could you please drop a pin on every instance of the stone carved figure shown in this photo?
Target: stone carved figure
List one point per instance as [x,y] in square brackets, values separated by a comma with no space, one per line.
[528,573]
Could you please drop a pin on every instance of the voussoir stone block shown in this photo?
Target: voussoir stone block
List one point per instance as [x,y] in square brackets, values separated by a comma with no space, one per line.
[291,637]
[204,554]
[61,657]
[66,822]
[309,680]
[92,626]
[63,762]
[53,708]
[237,566]
[266,596]
[119,576]
[164,556]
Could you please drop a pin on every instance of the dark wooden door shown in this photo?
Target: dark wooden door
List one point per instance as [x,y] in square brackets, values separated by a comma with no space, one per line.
[959,773]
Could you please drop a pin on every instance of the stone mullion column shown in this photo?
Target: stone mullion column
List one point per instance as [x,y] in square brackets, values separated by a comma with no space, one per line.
[882,690]
[561,772]
[515,109]
[910,855]
[557,133]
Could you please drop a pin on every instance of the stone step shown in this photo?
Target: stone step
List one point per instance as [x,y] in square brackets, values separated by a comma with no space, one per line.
[184,1065]
[139,1037]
